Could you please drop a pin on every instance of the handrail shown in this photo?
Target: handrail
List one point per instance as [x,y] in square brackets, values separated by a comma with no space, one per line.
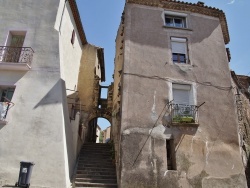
[10,54]
[184,113]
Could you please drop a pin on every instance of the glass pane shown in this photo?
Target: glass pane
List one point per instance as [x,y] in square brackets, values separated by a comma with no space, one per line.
[169,21]
[182,58]
[175,57]
[178,22]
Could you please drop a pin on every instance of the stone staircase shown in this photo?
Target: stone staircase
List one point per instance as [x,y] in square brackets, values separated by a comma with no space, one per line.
[95,167]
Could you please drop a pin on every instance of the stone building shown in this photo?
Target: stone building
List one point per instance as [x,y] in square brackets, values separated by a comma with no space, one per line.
[241,85]
[174,122]
[44,108]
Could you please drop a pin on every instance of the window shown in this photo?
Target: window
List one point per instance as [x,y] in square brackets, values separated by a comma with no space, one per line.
[183,108]
[171,161]
[5,97]
[6,94]
[14,43]
[174,21]
[73,37]
[179,50]
[182,93]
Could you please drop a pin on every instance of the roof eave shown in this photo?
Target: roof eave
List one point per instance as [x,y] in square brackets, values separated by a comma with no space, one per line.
[78,22]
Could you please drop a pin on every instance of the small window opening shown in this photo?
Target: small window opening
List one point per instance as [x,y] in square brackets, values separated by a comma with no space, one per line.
[173,21]
[171,161]
[73,37]
[6,94]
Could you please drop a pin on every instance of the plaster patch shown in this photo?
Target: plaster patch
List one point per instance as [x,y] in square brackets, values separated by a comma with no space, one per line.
[192,144]
[126,132]
[233,167]
[165,173]
[135,130]
[158,132]
[154,116]
[207,150]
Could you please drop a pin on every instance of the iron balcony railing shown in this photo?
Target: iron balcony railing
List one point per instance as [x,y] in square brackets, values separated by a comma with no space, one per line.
[182,113]
[4,107]
[16,54]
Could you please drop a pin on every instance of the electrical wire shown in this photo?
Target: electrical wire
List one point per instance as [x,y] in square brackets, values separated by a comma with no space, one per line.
[225,88]
[168,104]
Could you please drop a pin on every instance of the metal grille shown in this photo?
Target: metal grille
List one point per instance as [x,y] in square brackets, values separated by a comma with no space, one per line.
[16,54]
[182,113]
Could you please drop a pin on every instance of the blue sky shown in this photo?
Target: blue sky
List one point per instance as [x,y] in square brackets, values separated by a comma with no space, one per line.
[101,18]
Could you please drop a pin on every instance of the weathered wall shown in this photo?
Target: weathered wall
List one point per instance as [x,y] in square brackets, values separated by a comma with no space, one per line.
[38,125]
[241,84]
[117,86]
[87,74]
[207,155]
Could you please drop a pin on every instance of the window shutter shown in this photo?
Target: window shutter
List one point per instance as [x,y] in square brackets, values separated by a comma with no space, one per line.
[179,45]
[181,93]
[181,96]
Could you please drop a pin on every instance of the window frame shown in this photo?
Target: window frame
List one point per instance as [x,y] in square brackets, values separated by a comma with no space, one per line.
[175,15]
[184,41]
[173,19]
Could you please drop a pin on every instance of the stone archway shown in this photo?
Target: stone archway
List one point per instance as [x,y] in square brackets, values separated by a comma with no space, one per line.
[92,121]
[104,113]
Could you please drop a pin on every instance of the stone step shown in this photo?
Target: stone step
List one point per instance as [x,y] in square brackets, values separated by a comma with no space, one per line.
[96,176]
[95,180]
[107,185]
[97,160]
[99,165]
[96,173]
[96,168]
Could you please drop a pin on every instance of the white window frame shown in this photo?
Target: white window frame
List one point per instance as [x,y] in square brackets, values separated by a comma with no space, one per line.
[184,42]
[177,15]
[9,38]
[193,90]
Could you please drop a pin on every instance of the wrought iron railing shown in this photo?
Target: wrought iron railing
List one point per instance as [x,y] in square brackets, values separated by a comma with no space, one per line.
[16,54]
[182,113]
[4,107]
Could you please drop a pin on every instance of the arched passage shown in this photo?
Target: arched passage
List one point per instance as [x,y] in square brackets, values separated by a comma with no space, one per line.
[95,127]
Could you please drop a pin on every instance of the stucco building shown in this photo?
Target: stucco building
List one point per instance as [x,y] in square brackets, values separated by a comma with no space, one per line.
[174,119]
[49,88]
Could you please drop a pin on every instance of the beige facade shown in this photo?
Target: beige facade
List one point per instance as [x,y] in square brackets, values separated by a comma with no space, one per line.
[174,119]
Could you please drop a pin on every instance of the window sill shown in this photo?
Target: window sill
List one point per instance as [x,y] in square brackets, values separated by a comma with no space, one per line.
[183,124]
[181,28]
[14,66]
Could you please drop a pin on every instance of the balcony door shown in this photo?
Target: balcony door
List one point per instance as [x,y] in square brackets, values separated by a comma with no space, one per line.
[13,48]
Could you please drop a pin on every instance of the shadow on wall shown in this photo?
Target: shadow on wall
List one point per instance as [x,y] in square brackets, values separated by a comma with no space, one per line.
[57,95]
[54,95]
[154,32]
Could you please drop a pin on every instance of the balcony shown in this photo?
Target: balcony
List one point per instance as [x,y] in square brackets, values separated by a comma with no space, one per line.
[15,58]
[4,107]
[182,114]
